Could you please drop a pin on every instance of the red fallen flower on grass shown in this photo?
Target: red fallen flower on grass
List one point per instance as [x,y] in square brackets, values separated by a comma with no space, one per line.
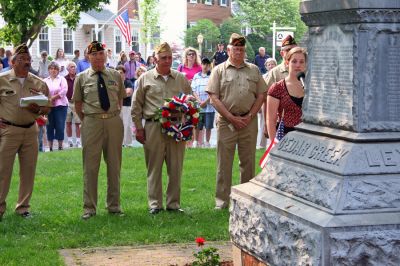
[172,106]
[200,241]
[165,113]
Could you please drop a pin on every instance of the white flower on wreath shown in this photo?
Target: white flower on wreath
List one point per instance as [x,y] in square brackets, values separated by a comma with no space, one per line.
[196,115]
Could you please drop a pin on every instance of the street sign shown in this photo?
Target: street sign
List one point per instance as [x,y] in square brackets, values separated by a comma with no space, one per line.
[280,35]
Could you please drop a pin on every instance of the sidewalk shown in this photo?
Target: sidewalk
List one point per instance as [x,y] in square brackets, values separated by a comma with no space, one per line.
[146,255]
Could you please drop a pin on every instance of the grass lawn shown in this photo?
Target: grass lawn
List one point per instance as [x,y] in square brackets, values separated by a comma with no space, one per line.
[56,206]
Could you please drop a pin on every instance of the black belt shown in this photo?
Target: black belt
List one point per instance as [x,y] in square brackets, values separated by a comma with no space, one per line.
[244,114]
[16,125]
[173,119]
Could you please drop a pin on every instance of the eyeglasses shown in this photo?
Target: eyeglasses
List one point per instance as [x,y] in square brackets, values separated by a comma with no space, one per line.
[191,54]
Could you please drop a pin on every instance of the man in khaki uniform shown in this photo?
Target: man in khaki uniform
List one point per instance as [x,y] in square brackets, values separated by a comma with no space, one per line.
[98,94]
[279,72]
[18,130]
[153,87]
[236,90]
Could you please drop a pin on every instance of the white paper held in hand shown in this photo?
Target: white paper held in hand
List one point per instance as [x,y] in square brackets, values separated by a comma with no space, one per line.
[40,100]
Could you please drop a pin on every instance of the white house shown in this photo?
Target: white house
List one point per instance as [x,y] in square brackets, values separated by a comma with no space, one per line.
[93,25]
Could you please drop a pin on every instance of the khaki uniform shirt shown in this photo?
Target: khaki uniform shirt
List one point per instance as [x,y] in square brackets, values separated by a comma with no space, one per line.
[86,90]
[11,91]
[236,88]
[151,92]
[276,74]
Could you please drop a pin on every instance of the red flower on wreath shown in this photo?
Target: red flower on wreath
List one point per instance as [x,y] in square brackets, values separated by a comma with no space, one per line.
[166,124]
[200,241]
[172,106]
[192,111]
[195,121]
[186,133]
[165,113]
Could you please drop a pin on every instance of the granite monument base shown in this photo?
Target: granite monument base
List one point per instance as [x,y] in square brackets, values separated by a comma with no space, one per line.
[322,201]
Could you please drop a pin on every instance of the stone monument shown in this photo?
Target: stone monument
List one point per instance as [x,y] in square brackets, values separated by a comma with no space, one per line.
[330,193]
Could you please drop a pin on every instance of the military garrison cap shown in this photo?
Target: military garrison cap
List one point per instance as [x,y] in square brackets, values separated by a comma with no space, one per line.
[95,46]
[289,40]
[163,47]
[21,49]
[237,40]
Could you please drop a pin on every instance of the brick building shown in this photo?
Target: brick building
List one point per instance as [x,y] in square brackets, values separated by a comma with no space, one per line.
[215,10]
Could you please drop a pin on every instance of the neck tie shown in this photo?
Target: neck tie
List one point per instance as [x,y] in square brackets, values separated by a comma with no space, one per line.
[103,96]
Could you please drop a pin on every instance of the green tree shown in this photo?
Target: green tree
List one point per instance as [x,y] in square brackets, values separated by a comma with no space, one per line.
[150,29]
[210,33]
[26,18]
[259,15]
[229,26]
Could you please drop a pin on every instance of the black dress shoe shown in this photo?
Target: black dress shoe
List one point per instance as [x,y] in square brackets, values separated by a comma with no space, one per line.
[154,211]
[88,215]
[25,214]
[118,213]
[179,210]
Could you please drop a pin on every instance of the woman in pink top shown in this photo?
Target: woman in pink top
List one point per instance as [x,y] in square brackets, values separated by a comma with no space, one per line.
[58,88]
[191,63]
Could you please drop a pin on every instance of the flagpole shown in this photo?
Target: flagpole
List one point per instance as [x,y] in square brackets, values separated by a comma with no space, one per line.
[111,18]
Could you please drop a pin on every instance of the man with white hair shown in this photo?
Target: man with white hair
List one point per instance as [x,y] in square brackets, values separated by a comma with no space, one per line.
[260,60]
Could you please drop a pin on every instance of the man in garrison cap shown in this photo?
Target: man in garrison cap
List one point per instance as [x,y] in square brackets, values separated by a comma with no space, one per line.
[236,89]
[279,72]
[98,94]
[153,87]
[18,130]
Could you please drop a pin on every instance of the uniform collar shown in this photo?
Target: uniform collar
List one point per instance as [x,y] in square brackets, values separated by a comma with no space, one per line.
[229,63]
[93,72]
[282,67]
[12,75]
[171,74]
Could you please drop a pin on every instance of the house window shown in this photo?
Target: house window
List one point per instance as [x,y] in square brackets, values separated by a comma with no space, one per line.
[135,40]
[118,41]
[99,36]
[44,43]
[223,2]
[208,2]
[68,42]
[193,1]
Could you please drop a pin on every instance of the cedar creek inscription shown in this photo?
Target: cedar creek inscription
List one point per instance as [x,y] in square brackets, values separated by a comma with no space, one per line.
[331,76]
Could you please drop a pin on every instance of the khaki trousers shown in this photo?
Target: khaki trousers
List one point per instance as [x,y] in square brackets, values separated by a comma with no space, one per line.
[245,139]
[24,142]
[101,136]
[157,149]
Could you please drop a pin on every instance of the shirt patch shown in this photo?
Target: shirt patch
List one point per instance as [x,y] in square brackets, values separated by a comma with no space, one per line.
[112,83]
[7,92]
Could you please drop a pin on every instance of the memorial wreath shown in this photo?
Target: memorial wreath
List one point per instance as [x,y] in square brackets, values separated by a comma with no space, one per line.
[185,106]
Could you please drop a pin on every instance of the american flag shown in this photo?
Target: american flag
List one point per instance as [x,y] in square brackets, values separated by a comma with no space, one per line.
[279,135]
[123,24]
